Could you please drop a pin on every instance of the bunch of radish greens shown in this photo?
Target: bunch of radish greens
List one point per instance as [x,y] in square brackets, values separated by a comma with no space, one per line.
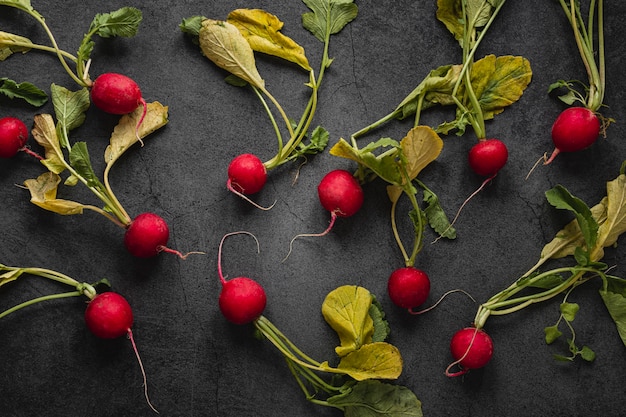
[146,234]
[479,90]
[582,242]
[365,358]
[108,314]
[231,44]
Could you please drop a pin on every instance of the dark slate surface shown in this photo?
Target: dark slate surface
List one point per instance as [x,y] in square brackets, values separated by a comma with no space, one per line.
[200,365]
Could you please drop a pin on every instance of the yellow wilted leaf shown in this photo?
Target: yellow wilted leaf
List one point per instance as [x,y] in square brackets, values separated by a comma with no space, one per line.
[43,192]
[262,30]
[124,135]
[44,132]
[346,310]
[421,146]
[223,44]
[394,192]
[378,360]
[615,223]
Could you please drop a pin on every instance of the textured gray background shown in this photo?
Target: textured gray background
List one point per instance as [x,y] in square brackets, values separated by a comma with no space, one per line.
[200,365]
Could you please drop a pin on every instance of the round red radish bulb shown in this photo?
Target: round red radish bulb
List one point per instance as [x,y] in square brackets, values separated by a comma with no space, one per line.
[242,300]
[340,193]
[109,316]
[488,157]
[408,287]
[472,347]
[246,174]
[116,93]
[147,235]
[13,136]
[575,129]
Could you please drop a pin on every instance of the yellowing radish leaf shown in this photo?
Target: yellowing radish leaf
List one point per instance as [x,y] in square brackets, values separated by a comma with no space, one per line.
[421,146]
[224,44]
[124,135]
[450,13]
[44,132]
[346,310]
[615,223]
[10,276]
[43,191]
[378,360]
[262,30]
[10,44]
[499,82]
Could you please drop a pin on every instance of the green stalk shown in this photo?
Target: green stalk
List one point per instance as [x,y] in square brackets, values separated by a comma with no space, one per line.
[38,300]
[38,47]
[272,120]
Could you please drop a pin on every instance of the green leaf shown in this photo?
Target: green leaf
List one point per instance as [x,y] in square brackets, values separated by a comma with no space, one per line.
[560,198]
[20,4]
[226,47]
[346,310]
[381,326]
[79,160]
[613,294]
[262,30]
[552,333]
[123,22]
[25,91]
[191,26]
[379,360]
[569,310]
[69,107]
[373,398]
[587,354]
[328,17]
[317,143]
[437,218]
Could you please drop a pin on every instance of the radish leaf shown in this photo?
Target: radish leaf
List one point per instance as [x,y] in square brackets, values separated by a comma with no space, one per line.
[613,294]
[45,133]
[222,43]
[378,360]
[123,22]
[560,198]
[10,44]
[43,191]
[373,398]
[69,108]
[79,160]
[328,16]
[25,90]
[262,30]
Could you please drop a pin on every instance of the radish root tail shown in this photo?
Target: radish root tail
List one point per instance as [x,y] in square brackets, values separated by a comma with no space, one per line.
[440,300]
[333,218]
[230,187]
[143,372]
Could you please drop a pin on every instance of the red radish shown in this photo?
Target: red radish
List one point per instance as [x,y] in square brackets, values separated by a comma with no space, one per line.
[118,94]
[471,348]
[488,157]
[147,235]
[13,136]
[575,129]
[246,174]
[339,193]
[242,300]
[408,287]
[109,316]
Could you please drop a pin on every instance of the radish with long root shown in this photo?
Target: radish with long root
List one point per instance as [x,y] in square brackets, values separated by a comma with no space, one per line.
[340,193]
[108,315]
[579,126]
[583,242]
[13,138]
[231,44]
[147,234]
[242,299]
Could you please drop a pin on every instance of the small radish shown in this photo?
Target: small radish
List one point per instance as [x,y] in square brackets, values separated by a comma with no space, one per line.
[488,157]
[247,175]
[13,138]
[242,300]
[339,193]
[471,348]
[147,235]
[109,316]
[575,129]
[118,94]
[408,287]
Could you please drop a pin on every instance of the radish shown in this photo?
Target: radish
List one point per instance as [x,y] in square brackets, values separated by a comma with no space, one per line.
[575,129]
[241,300]
[118,94]
[247,174]
[339,193]
[13,136]
[408,287]
[147,235]
[109,316]
[471,348]
[488,157]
